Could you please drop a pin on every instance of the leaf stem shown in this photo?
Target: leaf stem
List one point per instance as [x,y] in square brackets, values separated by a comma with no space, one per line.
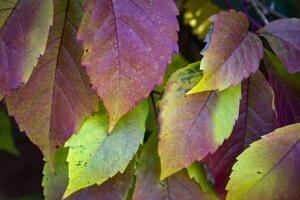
[258,10]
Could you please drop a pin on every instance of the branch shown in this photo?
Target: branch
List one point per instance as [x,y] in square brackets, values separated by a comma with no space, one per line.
[259,11]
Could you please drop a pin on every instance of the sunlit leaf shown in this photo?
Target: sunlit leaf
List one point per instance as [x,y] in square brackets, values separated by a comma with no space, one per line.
[269,168]
[23,37]
[233,53]
[191,126]
[95,156]
[128,45]
[56,183]
[257,117]
[283,37]
[57,98]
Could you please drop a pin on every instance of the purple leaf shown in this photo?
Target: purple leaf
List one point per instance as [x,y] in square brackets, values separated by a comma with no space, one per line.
[128,44]
[23,38]
[284,38]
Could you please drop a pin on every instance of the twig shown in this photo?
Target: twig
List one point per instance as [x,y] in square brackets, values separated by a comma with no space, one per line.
[268,11]
[259,11]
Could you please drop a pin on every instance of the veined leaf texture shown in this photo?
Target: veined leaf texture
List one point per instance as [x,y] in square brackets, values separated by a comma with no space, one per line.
[128,44]
[58,97]
[91,84]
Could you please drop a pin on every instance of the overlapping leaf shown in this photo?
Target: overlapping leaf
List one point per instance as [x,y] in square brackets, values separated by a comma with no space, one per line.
[286,90]
[94,156]
[197,13]
[128,44]
[269,169]
[283,37]
[148,186]
[55,184]
[23,37]
[193,125]
[233,53]
[257,117]
[51,107]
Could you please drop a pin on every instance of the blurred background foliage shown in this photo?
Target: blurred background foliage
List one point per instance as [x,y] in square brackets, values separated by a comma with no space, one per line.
[22,163]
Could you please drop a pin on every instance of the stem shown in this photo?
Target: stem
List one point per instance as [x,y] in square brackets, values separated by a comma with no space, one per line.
[259,11]
[267,10]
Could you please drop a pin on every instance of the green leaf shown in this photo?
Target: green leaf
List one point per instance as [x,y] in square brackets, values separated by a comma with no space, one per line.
[269,168]
[55,183]
[6,138]
[193,125]
[95,155]
[198,172]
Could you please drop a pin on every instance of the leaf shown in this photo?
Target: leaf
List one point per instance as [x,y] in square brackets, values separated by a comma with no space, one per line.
[6,7]
[286,90]
[6,138]
[197,13]
[23,37]
[55,183]
[283,37]
[57,98]
[199,173]
[269,168]
[148,186]
[193,125]
[94,155]
[256,118]
[115,188]
[128,45]
[232,55]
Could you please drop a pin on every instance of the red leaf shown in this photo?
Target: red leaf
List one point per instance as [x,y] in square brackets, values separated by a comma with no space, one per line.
[23,38]
[286,88]
[256,118]
[128,44]
[283,37]
[57,97]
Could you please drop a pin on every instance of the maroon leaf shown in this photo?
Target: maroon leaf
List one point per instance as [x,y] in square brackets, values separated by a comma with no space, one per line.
[256,118]
[149,187]
[128,44]
[286,90]
[57,97]
[283,37]
[23,37]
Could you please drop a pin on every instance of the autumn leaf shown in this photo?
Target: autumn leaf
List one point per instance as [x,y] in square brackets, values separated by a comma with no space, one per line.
[95,156]
[55,184]
[286,88]
[23,37]
[191,126]
[269,168]
[233,53]
[283,37]
[256,118]
[148,186]
[57,98]
[128,44]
